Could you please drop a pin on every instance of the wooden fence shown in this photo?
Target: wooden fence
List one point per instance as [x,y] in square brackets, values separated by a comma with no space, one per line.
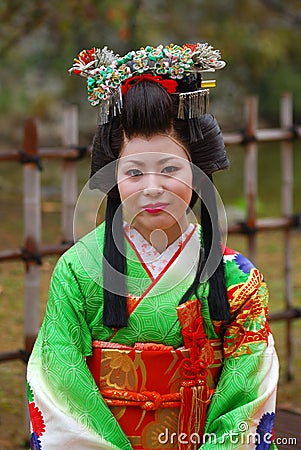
[33,251]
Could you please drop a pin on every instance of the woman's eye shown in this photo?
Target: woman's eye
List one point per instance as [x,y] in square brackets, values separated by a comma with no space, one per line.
[169,169]
[134,173]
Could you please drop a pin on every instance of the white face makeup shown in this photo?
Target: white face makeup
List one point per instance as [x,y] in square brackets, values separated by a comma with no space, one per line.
[154,179]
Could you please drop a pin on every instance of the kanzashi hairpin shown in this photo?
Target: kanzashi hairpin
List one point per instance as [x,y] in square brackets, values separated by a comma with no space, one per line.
[107,72]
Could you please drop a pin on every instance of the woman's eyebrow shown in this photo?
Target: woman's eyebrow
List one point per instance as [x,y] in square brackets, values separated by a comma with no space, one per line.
[165,160]
[132,161]
[142,162]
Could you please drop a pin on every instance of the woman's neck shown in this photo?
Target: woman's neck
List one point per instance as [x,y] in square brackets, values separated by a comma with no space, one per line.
[160,239]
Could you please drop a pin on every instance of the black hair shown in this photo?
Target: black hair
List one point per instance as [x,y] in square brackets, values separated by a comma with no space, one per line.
[148,110]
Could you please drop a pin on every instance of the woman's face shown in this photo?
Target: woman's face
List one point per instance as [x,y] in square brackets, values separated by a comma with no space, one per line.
[154,179]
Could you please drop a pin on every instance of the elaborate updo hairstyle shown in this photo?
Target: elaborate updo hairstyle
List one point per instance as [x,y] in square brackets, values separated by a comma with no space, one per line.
[148,109]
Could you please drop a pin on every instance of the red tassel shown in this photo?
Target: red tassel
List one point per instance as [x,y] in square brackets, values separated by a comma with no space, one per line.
[195,394]
[187,416]
[192,418]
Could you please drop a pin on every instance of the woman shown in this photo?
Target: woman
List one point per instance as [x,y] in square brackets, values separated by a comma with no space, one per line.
[154,337]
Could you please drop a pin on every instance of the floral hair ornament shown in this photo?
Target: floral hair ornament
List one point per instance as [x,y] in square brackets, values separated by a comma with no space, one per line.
[107,73]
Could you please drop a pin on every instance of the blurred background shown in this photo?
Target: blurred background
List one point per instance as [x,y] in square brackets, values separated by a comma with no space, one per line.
[259,40]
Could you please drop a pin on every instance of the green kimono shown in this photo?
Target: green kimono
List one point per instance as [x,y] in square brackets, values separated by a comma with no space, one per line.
[66,407]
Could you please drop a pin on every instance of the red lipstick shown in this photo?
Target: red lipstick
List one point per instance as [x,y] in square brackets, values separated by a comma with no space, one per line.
[155,208]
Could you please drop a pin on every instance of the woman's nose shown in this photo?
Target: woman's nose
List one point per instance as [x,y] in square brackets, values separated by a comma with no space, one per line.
[153,186]
[153,192]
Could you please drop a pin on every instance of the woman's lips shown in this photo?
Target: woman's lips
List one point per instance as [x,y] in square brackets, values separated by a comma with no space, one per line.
[154,208]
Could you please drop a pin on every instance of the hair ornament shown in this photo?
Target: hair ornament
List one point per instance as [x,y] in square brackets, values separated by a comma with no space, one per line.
[197,103]
[106,72]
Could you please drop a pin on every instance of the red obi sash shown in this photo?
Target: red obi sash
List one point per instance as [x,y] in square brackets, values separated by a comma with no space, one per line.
[160,395]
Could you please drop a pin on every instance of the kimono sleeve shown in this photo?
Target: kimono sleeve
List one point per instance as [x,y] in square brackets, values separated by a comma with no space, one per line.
[66,408]
[241,414]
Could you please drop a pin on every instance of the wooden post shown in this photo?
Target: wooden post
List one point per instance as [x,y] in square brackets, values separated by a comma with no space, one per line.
[286,122]
[251,173]
[32,233]
[69,182]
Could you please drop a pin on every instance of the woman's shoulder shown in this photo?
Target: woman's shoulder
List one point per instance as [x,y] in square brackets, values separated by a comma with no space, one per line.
[237,265]
[243,279]
[86,250]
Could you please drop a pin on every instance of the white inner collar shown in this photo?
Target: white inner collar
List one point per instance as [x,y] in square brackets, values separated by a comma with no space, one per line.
[152,258]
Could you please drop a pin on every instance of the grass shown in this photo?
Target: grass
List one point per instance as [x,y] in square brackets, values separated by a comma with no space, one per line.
[13,431]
